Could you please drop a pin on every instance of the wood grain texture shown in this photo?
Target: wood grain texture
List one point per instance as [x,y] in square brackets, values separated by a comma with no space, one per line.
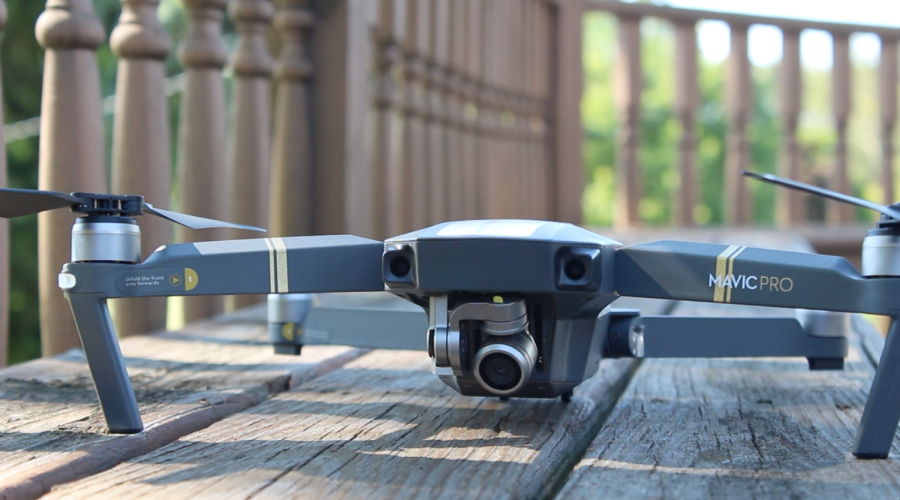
[737,428]
[381,427]
[51,428]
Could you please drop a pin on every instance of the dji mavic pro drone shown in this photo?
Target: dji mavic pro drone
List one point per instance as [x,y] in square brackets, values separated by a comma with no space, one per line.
[515,308]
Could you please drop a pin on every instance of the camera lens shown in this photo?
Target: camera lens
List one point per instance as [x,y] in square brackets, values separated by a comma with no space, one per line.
[500,371]
[503,364]
[400,266]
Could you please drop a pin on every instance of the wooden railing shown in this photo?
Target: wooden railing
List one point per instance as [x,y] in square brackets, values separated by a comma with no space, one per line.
[376,118]
[384,116]
[739,105]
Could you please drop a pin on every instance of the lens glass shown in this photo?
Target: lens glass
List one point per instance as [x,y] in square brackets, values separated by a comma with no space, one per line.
[575,270]
[400,266]
[500,371]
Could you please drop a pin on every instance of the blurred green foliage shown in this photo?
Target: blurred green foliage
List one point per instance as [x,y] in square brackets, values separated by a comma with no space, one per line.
[660,131]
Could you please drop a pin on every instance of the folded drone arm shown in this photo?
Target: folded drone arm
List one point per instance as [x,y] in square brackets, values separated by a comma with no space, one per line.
[369,320]
[750,276]
[630,335]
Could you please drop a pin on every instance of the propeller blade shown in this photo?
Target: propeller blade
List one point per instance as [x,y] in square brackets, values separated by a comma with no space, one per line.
[194,222]
[825,193]
[21,202]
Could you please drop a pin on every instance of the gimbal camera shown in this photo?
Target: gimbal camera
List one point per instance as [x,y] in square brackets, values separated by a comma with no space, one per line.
[515,308]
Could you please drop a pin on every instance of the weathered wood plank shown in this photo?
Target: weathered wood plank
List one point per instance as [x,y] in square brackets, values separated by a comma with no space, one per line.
[737,428]
[51,428]
[381,427]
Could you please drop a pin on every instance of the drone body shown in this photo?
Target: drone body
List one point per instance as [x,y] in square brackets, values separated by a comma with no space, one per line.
[514,308]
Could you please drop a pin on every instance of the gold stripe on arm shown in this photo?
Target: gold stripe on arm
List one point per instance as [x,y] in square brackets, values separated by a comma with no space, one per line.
[281,265]
[271,265]
[731,272]
[721,268]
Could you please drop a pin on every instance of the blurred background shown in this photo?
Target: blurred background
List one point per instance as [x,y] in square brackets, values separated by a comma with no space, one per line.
[656,128]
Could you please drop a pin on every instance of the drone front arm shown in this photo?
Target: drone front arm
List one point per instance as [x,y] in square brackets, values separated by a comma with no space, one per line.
[305,264]
[751,276]
[272,265]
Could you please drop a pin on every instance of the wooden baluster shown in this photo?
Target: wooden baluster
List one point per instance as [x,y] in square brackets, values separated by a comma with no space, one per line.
[487,116]
[737,198]
[505,179]
[547,184]
[201,133]
[455,141]
[888,104]
[415,145]
[471,35]
[841,213]
[790,203]
[686,101]
[4,228]
[250,138]
[629,82]
[141,161]
[71,148]
[391,191]
[567,166]
[437,151]
[291,209]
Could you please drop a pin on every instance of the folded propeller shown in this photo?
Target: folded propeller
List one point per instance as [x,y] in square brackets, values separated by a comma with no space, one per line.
[21,202]
[892,211]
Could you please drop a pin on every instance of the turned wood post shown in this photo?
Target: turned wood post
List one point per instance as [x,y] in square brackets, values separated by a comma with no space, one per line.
[250,135]
[140,152]
[71,148]
[415,153]
[454,84]
[436,59]
[4,229]
[471,75]
[201,133]
[391,191]
[291,209]
[740,106]
[841,213]
[568,135]
[888,104]
[687,99]
[790,204]
[628,85]
[487,114]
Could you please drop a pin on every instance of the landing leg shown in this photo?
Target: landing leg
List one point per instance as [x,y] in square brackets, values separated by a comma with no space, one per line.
[882,414]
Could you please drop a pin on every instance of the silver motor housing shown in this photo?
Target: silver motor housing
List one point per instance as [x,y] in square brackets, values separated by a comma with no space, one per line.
[100,241]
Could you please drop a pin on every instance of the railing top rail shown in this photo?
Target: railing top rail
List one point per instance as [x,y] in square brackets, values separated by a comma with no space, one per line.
[679,15]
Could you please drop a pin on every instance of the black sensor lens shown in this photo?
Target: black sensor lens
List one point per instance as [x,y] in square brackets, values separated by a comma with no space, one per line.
[574,269]
[400,266]
[500,371]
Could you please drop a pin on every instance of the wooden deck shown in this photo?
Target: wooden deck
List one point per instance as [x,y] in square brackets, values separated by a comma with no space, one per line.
[227,418]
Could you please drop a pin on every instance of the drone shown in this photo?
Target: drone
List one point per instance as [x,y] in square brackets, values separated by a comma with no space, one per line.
[504,308]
